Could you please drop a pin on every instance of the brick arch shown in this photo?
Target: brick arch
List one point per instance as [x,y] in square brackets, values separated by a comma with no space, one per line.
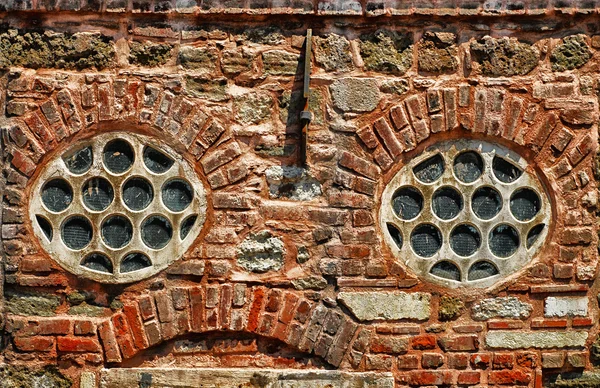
[551,122]
[49,113]
[308,326]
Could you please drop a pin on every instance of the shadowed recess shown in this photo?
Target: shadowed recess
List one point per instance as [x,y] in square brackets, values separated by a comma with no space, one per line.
[45,226]
[446,270]
[98,262]
[80,161]
[429,170]
[482,270]
[156,161]
[134,262]
[395,234]
[187,225]
[533,234]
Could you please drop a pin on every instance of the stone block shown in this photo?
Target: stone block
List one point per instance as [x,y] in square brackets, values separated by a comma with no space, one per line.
[566,306]
[368,306]
[536,339]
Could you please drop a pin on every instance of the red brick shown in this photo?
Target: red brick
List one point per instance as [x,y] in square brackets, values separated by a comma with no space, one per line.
[196,309]
[123,335]
[468,378]
[423,342]
[288,310]
[84,328]
[359,165]
[480,360]
[499,325]
[458,361]
[225,306]
[53,326]
[389,138]
[348,251]
[548,323]
[255,309]
[78,344]
[432,360]
[578,322]
[134,320]
[509,377]
[408,361]
[459,343]
[422,377]
[146,305]
[503,361]
[34,344]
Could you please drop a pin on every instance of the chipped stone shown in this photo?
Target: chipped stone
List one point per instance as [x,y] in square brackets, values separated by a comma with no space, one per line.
[355,94]
[504,56]
[332,53]
[261,252]
[368,306]
[536,339]
[292,183]
[566,306]
[506,307]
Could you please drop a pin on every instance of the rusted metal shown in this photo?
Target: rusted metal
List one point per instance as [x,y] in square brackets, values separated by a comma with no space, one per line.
[306,115]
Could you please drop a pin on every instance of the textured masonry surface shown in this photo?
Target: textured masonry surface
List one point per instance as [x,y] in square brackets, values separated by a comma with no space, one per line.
[289,278]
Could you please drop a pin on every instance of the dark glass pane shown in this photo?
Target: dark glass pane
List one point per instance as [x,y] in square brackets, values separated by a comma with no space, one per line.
[446,270]
[156,161]
[80,161]
[57,195]
[118,156]
[486,203]
[482,270]
[134,262]
[504,240]
[77,232]
[117,231]
[505,171]
[98,262]
[407,203]
[426,240]
[430,170]
[447,203]
[395,234]
[465,240]
[137,193]
[97,193]
[468,166]
[157,232]
[524,204]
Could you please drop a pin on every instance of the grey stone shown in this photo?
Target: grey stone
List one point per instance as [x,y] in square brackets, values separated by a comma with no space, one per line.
[310,283]
[27,303]
[12,376]
[202,59]
[332,53]
[506,307]
[252,108]
[149,54]
[355,94]
[587,379]
[386,52]
[566,306]
[279,62]
[303,255]
[292,183]
[261,252]
[536,339]
[236,377]
[504,56]
[87,380]
[368,306]
[572,53]
[235,61]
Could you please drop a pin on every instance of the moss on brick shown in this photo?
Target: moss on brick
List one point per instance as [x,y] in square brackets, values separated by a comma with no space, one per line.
[29,303]
[571,54]
[450,308]
[24,377]
[55,50]
[149,54]
[504,56]
[386,52]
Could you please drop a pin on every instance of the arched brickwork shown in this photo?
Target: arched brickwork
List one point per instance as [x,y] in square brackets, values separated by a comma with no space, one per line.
[549,123]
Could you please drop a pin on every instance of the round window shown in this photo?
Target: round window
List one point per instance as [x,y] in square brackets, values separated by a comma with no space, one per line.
[118,207]
[465,213]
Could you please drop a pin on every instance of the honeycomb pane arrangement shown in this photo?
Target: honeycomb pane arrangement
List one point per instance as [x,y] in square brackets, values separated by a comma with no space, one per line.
[465,213]
[117,207]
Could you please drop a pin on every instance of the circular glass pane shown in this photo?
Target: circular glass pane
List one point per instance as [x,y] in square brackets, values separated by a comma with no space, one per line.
[524,204]
[407,203]
[77,232]
[177,195]
[97,194]
[57,195]
[118,156]
[465,240]
[447,203]
[486,203]
[137,193]
[117,232]
[468,166]
[426,240]
[157,232]
[504,240]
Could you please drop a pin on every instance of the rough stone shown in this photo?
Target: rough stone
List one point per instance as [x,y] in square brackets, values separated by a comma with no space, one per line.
[280,62]
[506,307]
[235,61]
[397,86]
[450,308]
[87,309]
[270,35]
[588,379]
[566,306]
[149,54]
[236,377]
[292,183]
[355,94]
[310,283]
[333,53]
[386,52]
[535,339]
[201,59]
[23,377]
[504,56]
[261,252]
[31,303]
[55,50]
[213,89]
[571,54]
[438,52]
[368,306]
[252,108]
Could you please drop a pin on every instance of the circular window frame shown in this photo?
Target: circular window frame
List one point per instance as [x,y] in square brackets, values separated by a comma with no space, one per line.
[160,258]
[448,150]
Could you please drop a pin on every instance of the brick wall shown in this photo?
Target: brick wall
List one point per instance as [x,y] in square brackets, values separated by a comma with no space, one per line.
[225,92]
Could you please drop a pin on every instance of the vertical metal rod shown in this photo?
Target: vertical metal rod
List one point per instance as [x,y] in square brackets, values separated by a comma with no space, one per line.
[306,116]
